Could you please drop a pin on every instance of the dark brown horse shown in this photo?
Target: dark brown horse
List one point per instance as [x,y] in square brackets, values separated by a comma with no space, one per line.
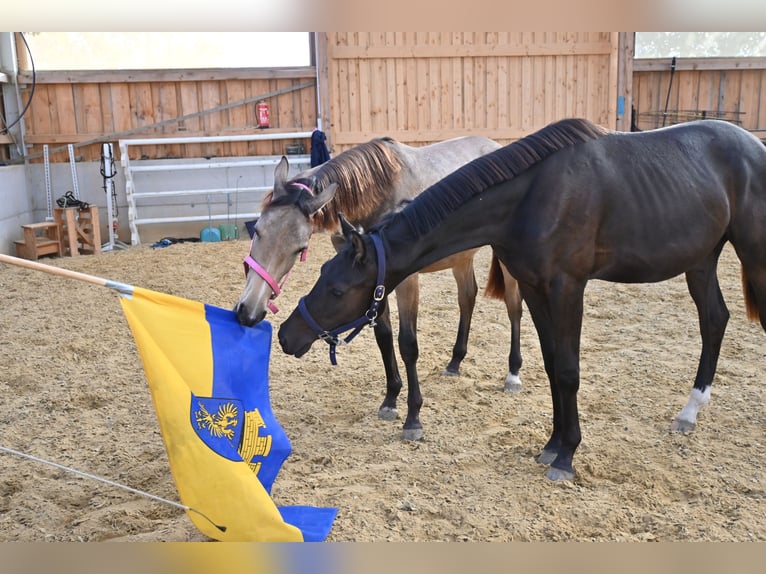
[570,203]
[366,183]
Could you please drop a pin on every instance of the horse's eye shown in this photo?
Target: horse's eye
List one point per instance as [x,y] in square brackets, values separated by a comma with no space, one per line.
[336,292]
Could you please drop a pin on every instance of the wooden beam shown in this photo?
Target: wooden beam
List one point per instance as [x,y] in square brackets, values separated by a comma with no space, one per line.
[423,136]
[40,139]
[132,76]
[472,50]
[141,129]
[663,64]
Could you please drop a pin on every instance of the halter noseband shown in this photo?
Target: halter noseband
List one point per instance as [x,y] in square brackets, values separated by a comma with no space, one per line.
[332,337]
[251,263]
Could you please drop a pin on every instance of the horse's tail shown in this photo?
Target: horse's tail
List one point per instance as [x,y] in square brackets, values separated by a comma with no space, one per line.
[495,288]
[751,305]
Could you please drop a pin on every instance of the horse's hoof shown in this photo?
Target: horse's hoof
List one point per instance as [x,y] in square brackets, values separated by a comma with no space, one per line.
[512,384]
[557,474]
[452,371]
[680,425]
[546,456]
[412,434]
[388,414]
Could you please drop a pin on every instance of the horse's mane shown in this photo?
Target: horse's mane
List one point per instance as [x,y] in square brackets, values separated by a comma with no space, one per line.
[446,195]
[365,175]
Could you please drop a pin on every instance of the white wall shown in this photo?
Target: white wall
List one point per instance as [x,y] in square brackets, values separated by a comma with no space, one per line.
[23,197]
[15,206]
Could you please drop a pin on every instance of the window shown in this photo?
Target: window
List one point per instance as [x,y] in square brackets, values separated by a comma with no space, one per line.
[167,50]
[700,44]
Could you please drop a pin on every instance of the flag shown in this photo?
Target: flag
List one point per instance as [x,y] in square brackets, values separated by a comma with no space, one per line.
[208,377]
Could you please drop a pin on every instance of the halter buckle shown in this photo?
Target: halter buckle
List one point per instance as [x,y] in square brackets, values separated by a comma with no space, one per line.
[379,293]
[328,338]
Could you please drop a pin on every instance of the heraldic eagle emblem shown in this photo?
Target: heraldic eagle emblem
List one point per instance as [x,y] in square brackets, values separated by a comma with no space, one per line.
[232,432]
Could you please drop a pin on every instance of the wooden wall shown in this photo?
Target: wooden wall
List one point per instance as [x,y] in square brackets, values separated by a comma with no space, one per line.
[80,107]
[421,87]
[725,88]
[418,87]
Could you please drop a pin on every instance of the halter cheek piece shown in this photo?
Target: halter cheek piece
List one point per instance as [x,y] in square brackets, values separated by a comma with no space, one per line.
[331,337]
[251,263]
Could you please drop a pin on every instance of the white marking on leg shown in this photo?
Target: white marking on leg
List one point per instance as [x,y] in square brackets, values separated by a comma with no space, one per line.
[512,383]
[697,400]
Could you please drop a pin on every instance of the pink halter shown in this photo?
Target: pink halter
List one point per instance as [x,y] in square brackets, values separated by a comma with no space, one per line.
[251,263]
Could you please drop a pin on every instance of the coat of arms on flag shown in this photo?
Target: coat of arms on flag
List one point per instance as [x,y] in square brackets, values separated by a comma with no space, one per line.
[208,377]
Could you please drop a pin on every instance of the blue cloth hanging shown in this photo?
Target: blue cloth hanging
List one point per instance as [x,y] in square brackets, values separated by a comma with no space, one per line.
[319,151]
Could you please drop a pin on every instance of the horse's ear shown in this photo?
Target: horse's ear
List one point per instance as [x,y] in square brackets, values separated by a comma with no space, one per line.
[345,226]
[322,198]
[352,235]
[280,177]
[338,241]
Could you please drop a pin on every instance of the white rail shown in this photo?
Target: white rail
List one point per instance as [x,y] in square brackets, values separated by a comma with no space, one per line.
[131,169]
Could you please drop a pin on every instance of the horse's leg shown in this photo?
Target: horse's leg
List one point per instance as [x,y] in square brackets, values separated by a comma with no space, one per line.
[466,298]
[407,295]
[557,315]
[513,306]
[702,282]
[385,339]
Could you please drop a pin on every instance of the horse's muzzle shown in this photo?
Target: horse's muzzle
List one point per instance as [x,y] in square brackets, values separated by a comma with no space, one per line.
[294,340]
[245,318]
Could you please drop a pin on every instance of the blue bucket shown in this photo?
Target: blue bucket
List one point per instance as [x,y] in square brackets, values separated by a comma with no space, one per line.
[210,234]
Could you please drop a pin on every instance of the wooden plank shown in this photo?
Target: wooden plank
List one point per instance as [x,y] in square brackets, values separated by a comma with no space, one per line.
[661,64]
[138,76]
[423,83]
[392,88]
[366,85]
[411,101]
[471,50]
[62,111]
[418,136]
[729,101]
[491,88]
[168,98]
[210,97]
[308,108]
[434,87]
[42,107]
[340,116]
[93,122]
[457,83]
[626,48]
[748,105]
[610,67]
[560,87]
[445,93]
[527,96]
[549,90]
[189,104]
[761,119]
[323,79]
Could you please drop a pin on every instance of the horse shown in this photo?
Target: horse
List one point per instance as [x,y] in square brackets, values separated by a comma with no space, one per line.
[367,182]
[566,204]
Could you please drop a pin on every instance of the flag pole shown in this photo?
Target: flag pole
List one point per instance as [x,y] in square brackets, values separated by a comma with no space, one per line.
[123,288]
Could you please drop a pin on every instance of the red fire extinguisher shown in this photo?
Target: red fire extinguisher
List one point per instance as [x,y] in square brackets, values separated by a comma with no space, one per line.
[262,110]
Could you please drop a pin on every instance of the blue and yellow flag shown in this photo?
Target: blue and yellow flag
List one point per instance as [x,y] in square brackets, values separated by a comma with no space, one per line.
[208,377]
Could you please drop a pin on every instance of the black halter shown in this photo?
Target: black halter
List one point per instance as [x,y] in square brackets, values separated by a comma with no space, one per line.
[332,337]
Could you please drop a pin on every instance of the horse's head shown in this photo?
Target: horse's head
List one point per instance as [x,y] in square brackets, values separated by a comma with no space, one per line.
[346,297]
[280,235]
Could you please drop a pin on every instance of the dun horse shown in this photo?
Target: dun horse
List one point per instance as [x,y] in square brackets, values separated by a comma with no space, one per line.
[570,203]
[366,183]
